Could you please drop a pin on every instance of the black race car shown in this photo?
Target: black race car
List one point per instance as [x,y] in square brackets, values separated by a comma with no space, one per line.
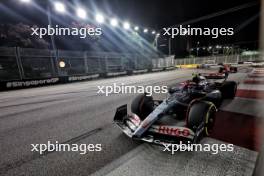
[188,113]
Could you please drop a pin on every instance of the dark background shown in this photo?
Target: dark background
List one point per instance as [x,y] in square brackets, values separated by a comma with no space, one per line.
[154,14]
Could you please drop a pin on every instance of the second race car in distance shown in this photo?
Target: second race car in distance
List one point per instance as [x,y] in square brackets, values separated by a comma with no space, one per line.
[227,68]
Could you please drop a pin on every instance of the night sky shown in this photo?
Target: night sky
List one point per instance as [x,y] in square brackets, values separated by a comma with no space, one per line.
[154,14]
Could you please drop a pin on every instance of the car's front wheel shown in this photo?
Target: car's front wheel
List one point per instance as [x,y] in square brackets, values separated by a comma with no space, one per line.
[201,114]
[142,105]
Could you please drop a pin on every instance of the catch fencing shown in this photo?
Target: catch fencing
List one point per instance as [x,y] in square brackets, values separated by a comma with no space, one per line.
[232,59]
[22,65]
[25,63]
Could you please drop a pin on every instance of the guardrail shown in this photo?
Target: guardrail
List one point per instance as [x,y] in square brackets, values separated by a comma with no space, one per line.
[22,65]
[218,59]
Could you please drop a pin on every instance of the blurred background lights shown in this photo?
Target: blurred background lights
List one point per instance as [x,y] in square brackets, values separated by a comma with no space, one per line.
[81,13]
[59,7]
[99,18]
[126,25]
[114,22]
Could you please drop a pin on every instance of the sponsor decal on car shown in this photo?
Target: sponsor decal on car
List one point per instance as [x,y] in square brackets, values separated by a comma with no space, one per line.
[172,131]
[135,119]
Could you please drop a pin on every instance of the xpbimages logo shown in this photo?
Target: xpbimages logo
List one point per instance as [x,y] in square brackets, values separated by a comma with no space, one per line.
[188,30]
[82,32]
[190,147]
[131,89]
[59,147]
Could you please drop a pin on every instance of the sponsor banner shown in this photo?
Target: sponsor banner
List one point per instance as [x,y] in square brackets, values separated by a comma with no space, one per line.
[28,83]
[17,84]
[81,78]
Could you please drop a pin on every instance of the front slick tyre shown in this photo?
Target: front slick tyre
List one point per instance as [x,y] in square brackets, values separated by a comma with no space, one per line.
[142,105]
[201,112]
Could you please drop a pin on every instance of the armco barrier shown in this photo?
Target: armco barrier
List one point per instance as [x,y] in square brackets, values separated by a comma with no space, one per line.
[216,59]
[26,67]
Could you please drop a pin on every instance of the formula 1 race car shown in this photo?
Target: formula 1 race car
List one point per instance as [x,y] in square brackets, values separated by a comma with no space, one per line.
[215,75]
[222,73]
[226,68]
[187,114]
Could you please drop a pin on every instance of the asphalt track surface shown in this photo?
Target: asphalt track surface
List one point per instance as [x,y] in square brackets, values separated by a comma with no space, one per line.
[75,113]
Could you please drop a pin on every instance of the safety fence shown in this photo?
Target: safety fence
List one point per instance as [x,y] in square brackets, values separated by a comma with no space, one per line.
[219,59]
[24,65]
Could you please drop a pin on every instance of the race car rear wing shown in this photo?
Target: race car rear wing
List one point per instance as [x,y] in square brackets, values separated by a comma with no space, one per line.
[215,75]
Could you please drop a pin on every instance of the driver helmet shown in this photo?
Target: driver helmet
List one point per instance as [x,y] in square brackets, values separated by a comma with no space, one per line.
[197,78]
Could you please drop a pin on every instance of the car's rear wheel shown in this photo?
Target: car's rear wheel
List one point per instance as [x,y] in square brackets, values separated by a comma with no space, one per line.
[142,105]
[235,69]
[229,89]
[201,112]
[221,70]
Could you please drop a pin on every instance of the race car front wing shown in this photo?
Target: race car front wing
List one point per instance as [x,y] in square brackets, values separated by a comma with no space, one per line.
[156,134]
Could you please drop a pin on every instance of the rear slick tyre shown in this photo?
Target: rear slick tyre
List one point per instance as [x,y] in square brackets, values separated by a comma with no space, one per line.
[229,89]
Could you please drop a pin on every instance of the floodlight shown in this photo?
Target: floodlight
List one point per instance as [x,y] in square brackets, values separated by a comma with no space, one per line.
[62,64]
[81,13]
[126,25]
[99,18]
[59,7]
[114,22]
[25,1]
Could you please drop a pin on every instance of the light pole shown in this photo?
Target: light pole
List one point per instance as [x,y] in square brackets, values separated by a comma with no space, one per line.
[197,48]
[53,45]
[156,41]
[169,46]
[60,8]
